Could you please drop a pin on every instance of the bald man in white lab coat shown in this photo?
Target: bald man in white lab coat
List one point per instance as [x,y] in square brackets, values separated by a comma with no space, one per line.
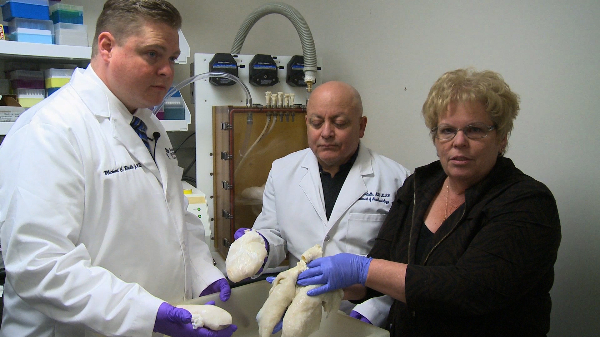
[336,193]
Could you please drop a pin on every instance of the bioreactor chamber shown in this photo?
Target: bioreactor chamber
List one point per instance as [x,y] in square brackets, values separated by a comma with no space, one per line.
[246,142]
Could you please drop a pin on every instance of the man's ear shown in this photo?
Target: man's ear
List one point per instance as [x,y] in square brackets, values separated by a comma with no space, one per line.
[363,126]
[106,43]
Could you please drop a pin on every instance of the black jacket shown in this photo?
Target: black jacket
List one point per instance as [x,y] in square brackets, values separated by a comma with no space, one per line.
[491,267]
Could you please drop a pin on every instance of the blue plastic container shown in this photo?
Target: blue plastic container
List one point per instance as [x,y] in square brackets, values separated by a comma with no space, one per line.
[50,91]
[33,38]
[174,108]
[62,13]
[29,9]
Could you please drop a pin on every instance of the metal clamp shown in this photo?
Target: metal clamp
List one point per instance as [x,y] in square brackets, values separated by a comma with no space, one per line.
[226,156]
[227,185]
[227,215]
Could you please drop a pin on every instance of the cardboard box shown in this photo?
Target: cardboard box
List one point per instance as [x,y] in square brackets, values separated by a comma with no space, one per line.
[10,109]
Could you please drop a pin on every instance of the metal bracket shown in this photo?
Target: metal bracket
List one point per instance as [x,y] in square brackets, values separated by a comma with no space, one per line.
[226,242]
[227,185]
[227,215]
[226,156]
[226,126]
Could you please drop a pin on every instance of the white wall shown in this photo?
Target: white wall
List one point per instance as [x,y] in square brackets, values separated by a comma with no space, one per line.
[393,50]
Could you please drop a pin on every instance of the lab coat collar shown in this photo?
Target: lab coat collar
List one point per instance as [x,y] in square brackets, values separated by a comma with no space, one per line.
[354,186]
[94,93]
[310,183]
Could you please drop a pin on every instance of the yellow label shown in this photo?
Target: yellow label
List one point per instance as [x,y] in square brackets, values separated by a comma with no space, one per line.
[196,200]
[1,32]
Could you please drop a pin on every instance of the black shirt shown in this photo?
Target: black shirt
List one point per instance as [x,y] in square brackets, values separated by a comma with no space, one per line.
[333,185]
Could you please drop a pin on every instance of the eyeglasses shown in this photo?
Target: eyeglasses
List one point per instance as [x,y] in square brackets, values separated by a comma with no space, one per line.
[446,132]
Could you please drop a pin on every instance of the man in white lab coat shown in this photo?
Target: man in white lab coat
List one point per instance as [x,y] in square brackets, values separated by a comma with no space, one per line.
[95,233]
[336,193]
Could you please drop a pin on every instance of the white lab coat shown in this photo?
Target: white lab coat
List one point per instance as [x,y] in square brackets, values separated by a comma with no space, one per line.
[293,215]
[95,234]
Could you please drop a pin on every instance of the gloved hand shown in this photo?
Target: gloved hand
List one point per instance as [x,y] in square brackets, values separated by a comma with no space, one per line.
[238,234]
[177,322]
[220,285]
[335,272]
[359,316]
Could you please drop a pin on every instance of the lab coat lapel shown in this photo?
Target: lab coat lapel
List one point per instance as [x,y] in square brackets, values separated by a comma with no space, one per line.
[124,133]
[310,183]
[354,186]
[162,162]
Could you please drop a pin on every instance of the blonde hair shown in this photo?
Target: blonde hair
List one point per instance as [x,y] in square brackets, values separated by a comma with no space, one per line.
[463,85]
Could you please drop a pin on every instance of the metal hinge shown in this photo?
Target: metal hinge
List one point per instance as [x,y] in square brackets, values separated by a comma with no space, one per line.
[227,185]
[227,215]
[226,156]
[226,242]
[226,126]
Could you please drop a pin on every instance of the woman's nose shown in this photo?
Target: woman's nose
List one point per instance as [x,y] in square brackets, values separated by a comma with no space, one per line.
[460,138]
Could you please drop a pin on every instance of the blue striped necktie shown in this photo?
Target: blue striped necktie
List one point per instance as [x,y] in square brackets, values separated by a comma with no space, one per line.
[140,128]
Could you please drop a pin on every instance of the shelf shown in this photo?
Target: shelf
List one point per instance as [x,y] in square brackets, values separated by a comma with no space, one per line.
[175,125]
[12,50]
[40,50]
[170,125]
[4,127]
[178,125]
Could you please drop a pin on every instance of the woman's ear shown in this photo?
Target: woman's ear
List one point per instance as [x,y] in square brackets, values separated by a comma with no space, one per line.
[502,145]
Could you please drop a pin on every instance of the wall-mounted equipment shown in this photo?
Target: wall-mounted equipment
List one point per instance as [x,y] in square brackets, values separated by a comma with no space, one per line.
[295,71]
[306,39]
[236,144]
[263,71]
[225,63]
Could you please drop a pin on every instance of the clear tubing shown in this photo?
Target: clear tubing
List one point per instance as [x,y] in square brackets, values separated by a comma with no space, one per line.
[272,125]
[306,39]
[249,123]
[258,139]
[200,77]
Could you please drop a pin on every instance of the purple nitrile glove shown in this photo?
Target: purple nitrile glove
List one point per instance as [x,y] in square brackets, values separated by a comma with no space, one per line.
[220,285]
[359,316]
[335,272]
[278,326]
[177,322]
[238,234]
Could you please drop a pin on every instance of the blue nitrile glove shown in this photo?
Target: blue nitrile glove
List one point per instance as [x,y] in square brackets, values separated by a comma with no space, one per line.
[335,272]
[359,316]
[177,322]
[220,285]
[238,234]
